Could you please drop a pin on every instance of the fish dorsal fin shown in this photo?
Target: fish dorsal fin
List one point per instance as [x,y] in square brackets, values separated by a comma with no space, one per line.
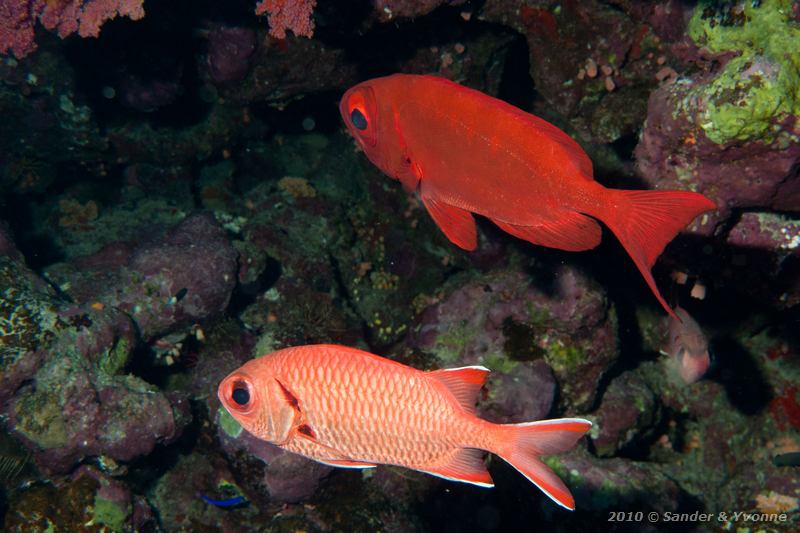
[564,230]
[464,383]
[465,465]
[456,223]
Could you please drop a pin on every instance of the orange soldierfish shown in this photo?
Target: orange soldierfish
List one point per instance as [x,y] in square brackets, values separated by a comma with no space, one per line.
[349,408]
[465,152]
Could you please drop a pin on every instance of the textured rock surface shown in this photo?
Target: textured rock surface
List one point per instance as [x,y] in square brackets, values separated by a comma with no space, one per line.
[628,413]
[184,275]
[503,318]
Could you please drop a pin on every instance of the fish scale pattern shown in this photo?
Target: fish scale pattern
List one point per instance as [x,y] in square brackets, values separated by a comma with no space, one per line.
[363,408]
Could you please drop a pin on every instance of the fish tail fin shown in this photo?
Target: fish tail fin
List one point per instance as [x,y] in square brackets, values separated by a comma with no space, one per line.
[646,221]
[522,445]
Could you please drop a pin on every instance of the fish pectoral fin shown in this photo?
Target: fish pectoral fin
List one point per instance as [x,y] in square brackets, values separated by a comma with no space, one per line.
[464,383]
[346,463]
[456,223]
[289,396]
[465,465]
[563,230]
[304,430]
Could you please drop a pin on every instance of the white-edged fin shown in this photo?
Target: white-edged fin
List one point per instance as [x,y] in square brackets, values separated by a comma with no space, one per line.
[549,480]
[464,383]
[465,465]
[525,443]
[346,464]
[479,484]
[555,435]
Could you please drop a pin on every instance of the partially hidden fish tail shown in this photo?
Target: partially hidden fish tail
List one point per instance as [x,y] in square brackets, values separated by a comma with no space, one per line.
[522,445]
[645,222]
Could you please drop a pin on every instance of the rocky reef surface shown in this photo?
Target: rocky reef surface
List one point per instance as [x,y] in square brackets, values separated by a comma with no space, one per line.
[172,209]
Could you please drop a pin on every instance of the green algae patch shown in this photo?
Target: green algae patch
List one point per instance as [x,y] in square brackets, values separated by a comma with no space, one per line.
[114,360]
[265,345]
[229,424]
[39,418]
[563,357]
[760,87]
[497,362]
[28,317]
[451,344]
[110,514]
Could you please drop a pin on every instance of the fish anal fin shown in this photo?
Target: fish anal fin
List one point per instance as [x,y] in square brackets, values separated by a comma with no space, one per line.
[456,223]
[346,463]
[465,465]
[464,383]
[564,230]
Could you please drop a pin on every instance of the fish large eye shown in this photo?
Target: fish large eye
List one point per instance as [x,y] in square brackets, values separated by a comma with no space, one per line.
[360,112]
[240,394]
[358,119]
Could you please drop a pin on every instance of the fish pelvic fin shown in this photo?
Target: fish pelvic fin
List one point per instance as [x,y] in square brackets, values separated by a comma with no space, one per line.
[522,445]
[464,383]
[646,221]
[456,223]
[465,465]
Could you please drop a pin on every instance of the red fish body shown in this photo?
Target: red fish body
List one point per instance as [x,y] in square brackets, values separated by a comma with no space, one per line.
[465,152]
[350,408]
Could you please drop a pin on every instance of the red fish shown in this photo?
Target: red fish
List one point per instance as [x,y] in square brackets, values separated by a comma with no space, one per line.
[467,153]
[687,346]
[349,408]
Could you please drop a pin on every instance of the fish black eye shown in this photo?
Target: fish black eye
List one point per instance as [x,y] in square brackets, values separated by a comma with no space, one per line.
[240,394]
[358,119]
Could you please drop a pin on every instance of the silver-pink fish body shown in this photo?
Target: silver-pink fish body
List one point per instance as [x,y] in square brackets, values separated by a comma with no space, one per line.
[687,345]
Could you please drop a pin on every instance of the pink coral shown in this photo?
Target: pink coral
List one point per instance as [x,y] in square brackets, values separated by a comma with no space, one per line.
[16,26]
[17,19]
[294,15]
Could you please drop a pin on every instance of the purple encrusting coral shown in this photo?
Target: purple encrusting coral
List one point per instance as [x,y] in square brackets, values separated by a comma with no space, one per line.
[229,52]
[178,195]
[183,276]
[504,320]
[63,389]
